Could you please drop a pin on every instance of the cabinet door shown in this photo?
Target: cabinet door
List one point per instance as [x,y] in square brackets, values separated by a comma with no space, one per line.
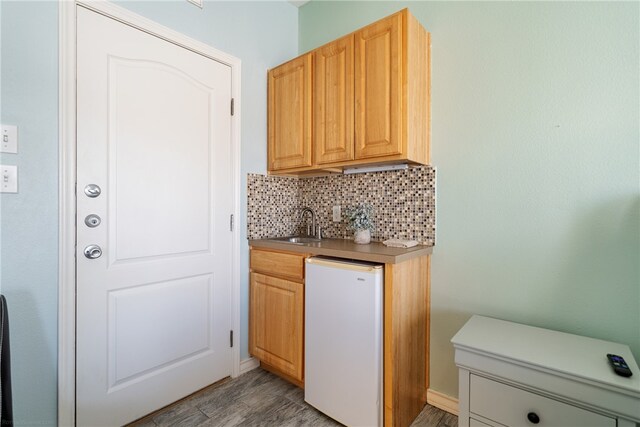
[378,88]
[276,323]
[333,102]
[289,114]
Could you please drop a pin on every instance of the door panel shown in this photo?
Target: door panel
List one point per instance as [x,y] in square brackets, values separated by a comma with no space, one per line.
[143,181]
[378,88]
[153,132]
[142,345]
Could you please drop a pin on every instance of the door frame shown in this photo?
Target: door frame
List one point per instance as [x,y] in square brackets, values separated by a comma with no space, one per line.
[67,183]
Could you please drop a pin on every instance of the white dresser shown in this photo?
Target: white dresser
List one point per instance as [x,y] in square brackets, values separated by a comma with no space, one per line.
[517,375]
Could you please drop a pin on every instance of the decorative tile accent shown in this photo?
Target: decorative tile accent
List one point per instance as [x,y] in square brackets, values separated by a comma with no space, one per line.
[271,204]
[403,203]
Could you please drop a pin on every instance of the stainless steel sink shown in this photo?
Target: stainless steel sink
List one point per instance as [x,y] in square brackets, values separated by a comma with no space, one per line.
[297,239]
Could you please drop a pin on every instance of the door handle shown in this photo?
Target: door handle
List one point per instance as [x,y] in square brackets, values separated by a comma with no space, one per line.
[92,251]
[92,190]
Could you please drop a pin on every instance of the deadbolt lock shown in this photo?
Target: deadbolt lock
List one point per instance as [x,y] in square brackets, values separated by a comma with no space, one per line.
[92,221]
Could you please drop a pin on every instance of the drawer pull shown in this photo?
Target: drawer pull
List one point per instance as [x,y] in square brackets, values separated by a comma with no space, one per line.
[533,418]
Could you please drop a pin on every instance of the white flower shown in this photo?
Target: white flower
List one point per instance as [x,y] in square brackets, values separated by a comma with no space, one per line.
[359,217]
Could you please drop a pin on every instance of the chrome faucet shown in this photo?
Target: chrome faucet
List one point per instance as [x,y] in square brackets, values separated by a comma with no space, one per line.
[314,231]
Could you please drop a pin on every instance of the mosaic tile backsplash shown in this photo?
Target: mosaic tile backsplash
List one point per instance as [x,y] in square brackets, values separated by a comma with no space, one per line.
[403,203]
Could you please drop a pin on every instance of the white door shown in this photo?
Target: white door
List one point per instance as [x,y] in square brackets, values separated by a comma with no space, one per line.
[153,133]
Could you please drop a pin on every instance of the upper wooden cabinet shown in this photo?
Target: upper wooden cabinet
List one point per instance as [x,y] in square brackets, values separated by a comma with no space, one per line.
[370,101]
[289,121]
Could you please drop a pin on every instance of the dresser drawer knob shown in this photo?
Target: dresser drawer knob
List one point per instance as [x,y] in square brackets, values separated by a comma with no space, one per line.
[533,418]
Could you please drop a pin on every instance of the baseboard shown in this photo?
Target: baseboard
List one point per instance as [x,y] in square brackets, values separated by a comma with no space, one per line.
[249,364]
[442,401]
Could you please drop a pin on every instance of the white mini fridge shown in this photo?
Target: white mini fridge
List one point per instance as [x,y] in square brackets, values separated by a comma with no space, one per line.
[343,340]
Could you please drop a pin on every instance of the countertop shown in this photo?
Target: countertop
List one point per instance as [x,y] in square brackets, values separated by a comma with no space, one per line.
[343,248]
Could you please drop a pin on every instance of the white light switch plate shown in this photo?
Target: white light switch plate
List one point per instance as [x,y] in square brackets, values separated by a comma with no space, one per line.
[8,179]
[336,214]
[9,139]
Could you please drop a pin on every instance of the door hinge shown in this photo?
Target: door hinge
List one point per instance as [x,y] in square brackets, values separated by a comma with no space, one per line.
[231,223]
[232,106]
[231,338]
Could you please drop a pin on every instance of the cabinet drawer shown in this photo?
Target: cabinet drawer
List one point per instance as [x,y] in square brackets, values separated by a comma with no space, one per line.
[510,406]
[278,263]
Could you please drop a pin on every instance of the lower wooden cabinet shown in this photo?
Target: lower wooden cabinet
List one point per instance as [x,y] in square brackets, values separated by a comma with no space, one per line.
[277,313]
[276,326]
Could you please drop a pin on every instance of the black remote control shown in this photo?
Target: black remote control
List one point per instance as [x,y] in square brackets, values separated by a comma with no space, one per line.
[619,365]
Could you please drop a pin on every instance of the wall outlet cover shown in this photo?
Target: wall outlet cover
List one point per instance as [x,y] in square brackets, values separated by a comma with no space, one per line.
[336,214]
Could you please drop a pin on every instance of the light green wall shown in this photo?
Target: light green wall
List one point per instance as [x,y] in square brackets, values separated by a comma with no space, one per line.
[262,34]
[535,134]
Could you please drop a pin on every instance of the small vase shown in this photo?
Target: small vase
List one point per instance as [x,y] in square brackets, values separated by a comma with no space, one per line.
[362,237]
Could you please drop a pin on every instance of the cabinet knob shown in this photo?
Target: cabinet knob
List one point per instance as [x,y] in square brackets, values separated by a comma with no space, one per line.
[533,418]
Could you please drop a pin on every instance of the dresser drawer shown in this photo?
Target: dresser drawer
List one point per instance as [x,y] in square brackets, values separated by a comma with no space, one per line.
[510,406]
[278,263]
[475,423]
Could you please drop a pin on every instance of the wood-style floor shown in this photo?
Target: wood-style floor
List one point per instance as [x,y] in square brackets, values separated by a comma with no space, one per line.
[259,398]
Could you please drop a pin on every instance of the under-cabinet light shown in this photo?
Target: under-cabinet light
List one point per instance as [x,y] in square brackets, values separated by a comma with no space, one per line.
[381,168]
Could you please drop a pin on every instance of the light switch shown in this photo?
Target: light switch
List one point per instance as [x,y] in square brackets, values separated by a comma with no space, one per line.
[8,179]
[9,142]
[336,214]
